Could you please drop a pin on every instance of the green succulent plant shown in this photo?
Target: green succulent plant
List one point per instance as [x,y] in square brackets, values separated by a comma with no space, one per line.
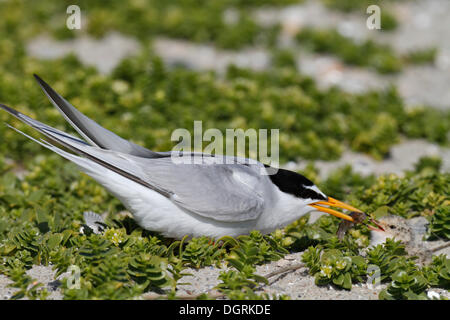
[28,287]
[201,252]
[438,272]
[331,266]
[149,270]
[405,286]
[439,227]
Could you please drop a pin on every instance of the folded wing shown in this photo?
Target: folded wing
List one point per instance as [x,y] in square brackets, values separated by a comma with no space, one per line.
[223,192]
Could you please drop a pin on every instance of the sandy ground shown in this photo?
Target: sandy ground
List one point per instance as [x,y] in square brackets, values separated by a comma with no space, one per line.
[298,284]
[104,54]
[42,274]
[397,162]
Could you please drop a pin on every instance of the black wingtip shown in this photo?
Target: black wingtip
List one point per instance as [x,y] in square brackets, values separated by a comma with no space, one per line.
[56,99]
[46,87]
[40,81]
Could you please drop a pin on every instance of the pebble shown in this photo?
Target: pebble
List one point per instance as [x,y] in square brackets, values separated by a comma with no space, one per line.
[104,54]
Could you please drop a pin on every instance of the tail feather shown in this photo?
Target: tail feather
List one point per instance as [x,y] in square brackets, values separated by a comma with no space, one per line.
[109,159]
[86,165]
[90,130]
[41,127]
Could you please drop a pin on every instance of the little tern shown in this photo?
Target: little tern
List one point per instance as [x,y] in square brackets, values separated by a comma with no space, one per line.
[202,198]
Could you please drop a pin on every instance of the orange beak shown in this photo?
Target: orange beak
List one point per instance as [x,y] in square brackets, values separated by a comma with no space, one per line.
[335,203]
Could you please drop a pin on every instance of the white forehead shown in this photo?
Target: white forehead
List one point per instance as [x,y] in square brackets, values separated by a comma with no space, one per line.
[314,188]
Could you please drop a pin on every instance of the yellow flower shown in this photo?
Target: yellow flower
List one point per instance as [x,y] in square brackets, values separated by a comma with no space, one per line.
[326,271]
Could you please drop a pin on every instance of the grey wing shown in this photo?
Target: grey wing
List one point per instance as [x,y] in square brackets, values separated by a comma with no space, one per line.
[224,192]
[98,136]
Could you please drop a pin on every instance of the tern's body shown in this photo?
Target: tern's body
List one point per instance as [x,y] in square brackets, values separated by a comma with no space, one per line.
[179,194]
[153,211]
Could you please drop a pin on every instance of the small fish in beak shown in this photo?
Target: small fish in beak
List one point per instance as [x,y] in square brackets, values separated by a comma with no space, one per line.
[358,217]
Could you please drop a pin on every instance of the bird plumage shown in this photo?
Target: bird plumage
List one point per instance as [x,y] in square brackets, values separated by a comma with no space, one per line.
[210,195]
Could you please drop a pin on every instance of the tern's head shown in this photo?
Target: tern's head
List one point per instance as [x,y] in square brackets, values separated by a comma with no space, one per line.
[299,186]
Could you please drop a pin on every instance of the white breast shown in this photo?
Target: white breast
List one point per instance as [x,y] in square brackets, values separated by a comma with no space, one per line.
[283,210]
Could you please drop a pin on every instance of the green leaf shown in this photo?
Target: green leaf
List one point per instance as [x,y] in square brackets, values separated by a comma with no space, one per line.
[381,212]
[339,281]
[54,240]
[35,196]
[347,281]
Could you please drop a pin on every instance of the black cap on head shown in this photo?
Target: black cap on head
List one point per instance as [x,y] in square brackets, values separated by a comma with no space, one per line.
[295,184]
